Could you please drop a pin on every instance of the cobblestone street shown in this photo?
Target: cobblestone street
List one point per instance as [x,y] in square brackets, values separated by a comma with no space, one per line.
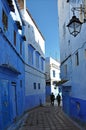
[45,118]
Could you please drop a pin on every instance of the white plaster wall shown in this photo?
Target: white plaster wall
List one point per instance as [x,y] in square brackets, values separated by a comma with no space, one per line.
[32,74]
[50,65]
[64,15]
[55,65]
[33,35]
[76,73]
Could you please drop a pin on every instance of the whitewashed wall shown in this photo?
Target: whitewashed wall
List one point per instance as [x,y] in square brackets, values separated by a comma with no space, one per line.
[33,74]
[50,65]
[69,45]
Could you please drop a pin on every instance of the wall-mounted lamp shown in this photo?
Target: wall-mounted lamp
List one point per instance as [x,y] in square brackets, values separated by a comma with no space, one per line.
[75,24]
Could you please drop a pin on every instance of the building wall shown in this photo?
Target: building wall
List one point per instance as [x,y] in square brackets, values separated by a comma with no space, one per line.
[74,73]
[11,68]
[22,79]
[52,70]
[34,63]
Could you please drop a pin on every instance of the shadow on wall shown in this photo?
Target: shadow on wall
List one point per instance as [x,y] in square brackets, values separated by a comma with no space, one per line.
[32,38]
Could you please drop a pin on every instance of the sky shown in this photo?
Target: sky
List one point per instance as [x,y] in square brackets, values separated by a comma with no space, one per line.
[45,14]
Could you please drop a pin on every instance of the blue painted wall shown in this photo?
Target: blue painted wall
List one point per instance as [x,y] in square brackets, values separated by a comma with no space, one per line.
[77,108]
[11,72]
[66,99]
[34,100]
[74,107]
[48,90]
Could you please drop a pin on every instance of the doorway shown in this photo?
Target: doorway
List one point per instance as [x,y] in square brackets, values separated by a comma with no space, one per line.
[4,84]
[14,100]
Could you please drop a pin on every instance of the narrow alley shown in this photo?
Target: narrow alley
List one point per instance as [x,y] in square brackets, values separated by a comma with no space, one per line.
[45,118]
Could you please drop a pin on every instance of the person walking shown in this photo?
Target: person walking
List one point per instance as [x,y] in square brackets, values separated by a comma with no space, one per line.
[58,98]
[52,98]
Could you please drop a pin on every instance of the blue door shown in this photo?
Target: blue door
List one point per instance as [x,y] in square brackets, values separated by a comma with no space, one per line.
[66,98]
[14,100]
[4,102]
[66,103]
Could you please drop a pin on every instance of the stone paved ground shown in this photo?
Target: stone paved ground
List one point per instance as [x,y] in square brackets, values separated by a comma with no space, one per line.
[45,118]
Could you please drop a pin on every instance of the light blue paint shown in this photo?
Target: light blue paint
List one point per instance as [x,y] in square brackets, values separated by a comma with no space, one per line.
[32,101]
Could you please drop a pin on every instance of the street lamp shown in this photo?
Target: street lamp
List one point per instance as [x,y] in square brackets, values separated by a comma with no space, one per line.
[74,26]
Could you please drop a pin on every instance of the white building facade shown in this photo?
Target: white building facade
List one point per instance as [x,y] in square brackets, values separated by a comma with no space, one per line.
[34,62]
[52,70]
[73,62]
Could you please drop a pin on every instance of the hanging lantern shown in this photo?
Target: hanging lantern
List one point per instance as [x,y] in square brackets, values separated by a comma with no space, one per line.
[74,26]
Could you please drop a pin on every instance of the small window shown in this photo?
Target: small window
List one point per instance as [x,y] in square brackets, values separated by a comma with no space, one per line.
[37,59]
[14,38]
[30,55]
[21,83]
[65,69]
[42,64]
[54,73]
[4,20]
[38,85]
[77,59]
[34,85]
[21,48]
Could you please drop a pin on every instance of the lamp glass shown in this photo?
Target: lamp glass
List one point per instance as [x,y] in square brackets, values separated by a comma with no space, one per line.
[74,28]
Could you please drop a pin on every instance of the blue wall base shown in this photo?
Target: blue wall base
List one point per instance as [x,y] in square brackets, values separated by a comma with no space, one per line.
[75,108]
[32,101]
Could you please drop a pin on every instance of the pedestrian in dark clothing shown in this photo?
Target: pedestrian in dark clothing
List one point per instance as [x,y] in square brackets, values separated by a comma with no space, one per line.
[52,98]
[58,98]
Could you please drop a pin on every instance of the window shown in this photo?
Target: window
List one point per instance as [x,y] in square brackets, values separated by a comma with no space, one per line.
[21,48]
[42,64]
[37,59]
[21,83]
[77,59]
[4,20]
[65,69]
[30,54]
[34,85]
[38,85]
[14,38]
[53,73]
